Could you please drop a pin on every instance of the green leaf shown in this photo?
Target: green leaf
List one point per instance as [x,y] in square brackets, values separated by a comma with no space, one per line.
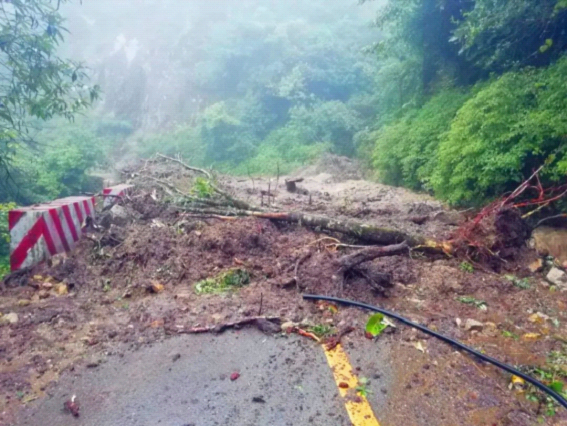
[557,386]
[374,326]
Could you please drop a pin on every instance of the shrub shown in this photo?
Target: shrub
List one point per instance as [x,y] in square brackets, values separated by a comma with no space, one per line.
[405,150]
[502,134]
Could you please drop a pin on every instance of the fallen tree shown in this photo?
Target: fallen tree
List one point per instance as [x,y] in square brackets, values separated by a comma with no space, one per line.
[364,232]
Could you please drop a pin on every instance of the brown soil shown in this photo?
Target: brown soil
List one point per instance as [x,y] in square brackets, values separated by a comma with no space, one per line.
[111,273]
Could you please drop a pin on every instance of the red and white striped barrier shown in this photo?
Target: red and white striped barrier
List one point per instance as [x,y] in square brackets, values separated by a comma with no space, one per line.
[114,193]
[41,231]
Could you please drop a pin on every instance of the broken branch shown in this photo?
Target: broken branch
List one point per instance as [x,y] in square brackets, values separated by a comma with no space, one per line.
[351,260]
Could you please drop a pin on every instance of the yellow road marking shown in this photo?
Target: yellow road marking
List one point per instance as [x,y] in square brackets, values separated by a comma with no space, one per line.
[358,410]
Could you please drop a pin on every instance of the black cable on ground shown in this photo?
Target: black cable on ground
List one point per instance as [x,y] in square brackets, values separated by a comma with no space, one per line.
[448,340]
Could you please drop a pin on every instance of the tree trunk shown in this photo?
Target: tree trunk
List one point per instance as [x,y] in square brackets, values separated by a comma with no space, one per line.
[365,232]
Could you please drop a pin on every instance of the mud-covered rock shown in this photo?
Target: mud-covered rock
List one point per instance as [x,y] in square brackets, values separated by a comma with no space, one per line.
[557,277]
[11,318]
[473,325]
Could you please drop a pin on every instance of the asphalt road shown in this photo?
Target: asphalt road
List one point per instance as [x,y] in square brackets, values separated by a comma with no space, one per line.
[185,380]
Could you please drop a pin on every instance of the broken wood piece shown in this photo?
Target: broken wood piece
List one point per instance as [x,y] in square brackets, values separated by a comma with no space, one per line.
[290,184]
[351,260]
[333,341]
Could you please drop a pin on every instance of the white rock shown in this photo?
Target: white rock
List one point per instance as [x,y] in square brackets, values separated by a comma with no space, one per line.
[11,318]
[557,277]
[473,325]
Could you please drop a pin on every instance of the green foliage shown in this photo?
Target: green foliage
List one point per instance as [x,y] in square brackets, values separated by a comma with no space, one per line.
[469,148]
[510,335]
[466,267]
[362,387]
[375,324]
[202,188]
[553,375]
[35,84]
[5,238]
[405,151]
[225,281]
[504,34]
[505,131]
[469,300]
[284,157]
[322,330]
[523,283]
[61,163]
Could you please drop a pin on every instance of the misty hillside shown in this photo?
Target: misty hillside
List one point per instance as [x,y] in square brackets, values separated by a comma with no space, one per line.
[238,76]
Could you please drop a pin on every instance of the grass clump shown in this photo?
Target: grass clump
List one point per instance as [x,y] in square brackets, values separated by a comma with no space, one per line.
[225,281]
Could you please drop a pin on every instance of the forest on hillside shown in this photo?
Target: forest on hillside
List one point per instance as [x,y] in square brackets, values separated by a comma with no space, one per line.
[463,99]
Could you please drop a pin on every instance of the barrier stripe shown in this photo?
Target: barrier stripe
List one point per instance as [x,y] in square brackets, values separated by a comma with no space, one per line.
[70,221]
[13,218]
[359,410]
[88,209]
[53,234]
[19,230]
[79,212]
[48,240]
[40,231]
[29,240]
[59,228]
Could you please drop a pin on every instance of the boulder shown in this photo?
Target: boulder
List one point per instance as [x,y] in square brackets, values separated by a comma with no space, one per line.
[557,277]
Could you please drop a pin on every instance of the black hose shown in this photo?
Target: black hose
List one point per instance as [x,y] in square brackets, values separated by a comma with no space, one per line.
[448,340]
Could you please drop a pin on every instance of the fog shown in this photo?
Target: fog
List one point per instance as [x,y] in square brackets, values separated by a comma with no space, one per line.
[161,62]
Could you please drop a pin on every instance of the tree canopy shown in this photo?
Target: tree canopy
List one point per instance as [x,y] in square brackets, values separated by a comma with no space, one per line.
[36,84]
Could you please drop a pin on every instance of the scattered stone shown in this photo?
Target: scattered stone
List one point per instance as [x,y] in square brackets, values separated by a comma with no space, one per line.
[258,399]
[267,327]
[536,266]
[43,294]
[183,296]
[557,277]
[287,325]
[176,357]
[24,302]
[72,406]
[156,287]
[47,285]
[61,289]
[11,318]
[473,325]
[458,321]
